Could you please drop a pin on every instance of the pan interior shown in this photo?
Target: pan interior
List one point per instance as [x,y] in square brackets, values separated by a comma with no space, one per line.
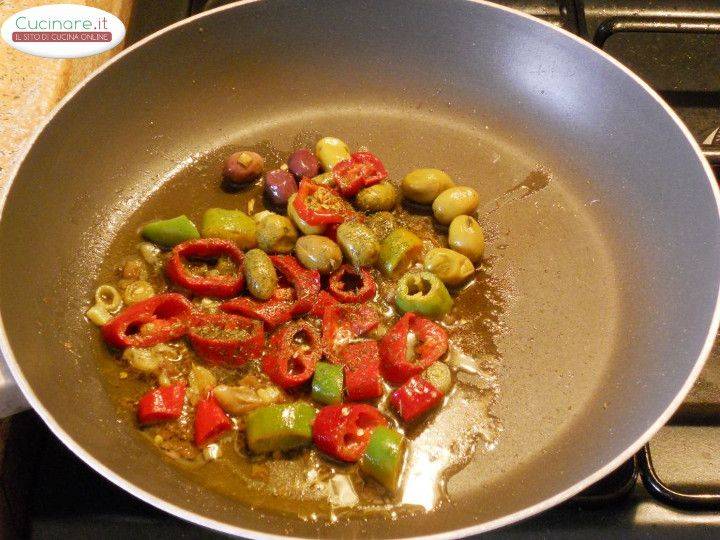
[540,239]
[607,275]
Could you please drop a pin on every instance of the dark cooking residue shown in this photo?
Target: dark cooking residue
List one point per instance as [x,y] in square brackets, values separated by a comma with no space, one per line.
[534,182]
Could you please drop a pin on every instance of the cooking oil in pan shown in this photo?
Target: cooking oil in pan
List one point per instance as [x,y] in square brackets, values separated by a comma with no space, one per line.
[307,484]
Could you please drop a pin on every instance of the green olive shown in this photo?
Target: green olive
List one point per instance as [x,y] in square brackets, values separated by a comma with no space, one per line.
[325,179]
[276,234]
[381,224]
[378,197]
[454,202]
[466,236]
[451,267]
[423,185]
[260,275]
[330,151]
[318,253]
[137,291]
[358,244]
[299,222]
[439,375]
[262,215]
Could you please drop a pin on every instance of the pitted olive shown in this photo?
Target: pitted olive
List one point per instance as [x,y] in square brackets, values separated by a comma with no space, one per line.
[260,275]
[299,222]
[466,236]
[276,234]
[279,185]
[358,244]
[303,163]
[242,167]
[330,151]
[451,267]
[318,253]
[453,202]
[423,185]
[376,198]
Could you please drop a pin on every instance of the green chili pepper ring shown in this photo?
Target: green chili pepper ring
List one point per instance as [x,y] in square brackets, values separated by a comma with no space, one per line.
[327,383]
[280,427]
[423,293]
[170,232]
[384,456]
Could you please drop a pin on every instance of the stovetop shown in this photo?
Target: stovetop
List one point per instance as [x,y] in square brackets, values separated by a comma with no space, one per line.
[670,489]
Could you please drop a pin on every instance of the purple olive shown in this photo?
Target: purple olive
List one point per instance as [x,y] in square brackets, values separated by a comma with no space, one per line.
[242,167]
[303,163]
[279,185]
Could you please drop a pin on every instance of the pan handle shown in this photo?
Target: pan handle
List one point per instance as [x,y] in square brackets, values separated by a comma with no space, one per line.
[11,399]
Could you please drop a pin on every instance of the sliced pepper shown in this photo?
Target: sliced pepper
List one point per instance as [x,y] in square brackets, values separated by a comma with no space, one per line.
[161,404]
[279,427]
[384,456]
[299,222]
[343,322]
[424,293]
[411,345]
[350,285]
[415,398]
[273,312]
[324,300]
[320,205]
[293,354]
[211,283]
[327,383]
[331,231]
[305,282]
[225,339]
[343,431]
[361,361]
[210,420]
[398,251]
[439,375]
[170,232]
[363,169]
[234,225]
[156,320]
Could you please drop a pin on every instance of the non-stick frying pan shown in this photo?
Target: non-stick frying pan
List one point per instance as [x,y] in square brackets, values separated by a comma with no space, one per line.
[613,266]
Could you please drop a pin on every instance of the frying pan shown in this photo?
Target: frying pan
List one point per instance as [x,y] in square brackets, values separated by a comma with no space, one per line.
[613,266]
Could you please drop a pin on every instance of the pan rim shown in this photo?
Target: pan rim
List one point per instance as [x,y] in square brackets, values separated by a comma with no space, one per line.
[514,517]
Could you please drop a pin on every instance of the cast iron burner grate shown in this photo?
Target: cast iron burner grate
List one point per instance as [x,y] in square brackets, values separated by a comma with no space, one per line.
[704,500]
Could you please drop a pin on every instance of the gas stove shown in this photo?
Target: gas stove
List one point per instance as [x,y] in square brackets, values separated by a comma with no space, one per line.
[670,488]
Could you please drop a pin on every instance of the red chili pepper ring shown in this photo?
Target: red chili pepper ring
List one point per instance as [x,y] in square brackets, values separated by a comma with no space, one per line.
[305,282]
[343,431]
[156,320]
[320,205]
[431,343]
[363,169]
[293,354]
[225,339]
[350,285]
[219,285]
